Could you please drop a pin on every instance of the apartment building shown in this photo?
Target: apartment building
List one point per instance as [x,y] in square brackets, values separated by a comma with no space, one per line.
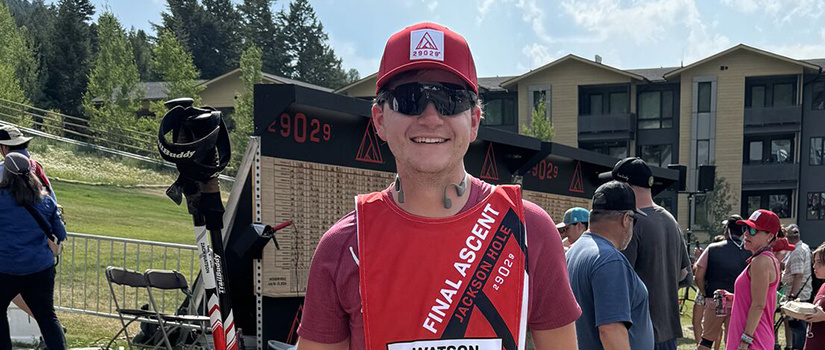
[756,115]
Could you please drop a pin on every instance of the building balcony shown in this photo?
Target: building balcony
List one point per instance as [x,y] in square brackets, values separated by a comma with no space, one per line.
[607,127]
[770,176]
[773,119]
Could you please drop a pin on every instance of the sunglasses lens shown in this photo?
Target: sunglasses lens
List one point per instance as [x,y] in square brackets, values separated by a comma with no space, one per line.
[413,98]
[752,231]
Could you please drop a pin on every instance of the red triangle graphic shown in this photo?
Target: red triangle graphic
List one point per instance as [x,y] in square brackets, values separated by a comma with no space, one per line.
[369,151]
[489,171]
[576,184]
[426,43]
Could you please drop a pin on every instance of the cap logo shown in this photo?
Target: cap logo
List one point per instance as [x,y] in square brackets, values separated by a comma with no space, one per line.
[427,44]
[650,181]
[622,177]
[755,216]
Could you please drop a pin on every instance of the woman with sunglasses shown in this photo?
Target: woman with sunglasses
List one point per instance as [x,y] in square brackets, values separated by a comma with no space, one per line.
[754,303]
[816,322]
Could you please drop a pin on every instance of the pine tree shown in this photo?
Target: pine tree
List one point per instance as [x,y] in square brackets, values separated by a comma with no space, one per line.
[222,39]
[244,116]
[143,54]
[69,61]
[17,56]
[113,94]
[352,76]
[313,60]
[14,57]
[40,27]
[210,33]
[174,66]
[261,30]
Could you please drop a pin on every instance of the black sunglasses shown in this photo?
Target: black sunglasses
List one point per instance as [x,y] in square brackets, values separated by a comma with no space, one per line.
[412,98]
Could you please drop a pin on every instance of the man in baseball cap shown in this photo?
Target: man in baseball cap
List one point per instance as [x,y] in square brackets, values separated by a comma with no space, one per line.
[614,301]
[657,251]
[401,270]
[574,223]
[13,141]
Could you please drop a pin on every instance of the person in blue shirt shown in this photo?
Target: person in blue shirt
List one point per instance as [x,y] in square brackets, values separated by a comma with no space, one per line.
[613,298]
[26,257]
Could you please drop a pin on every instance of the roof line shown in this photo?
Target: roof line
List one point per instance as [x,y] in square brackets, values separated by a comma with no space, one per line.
[224,75]
[359,81]
[740,47]
[577,58]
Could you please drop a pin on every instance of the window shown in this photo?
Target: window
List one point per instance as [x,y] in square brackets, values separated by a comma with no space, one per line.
[755,152]
[783,95]
[656,109]
[613,149]
[817,157]
[781,151]
[816,206]
[618,103]
[818,95]
[596,104]
[538,97]
[704,97]
[499,111]
[758,96]
[778,202]
[702,152]
[769,149]
[700,212]
[538,94]
[658,155]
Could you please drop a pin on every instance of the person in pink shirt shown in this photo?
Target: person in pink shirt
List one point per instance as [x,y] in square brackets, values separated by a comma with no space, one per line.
[754,302]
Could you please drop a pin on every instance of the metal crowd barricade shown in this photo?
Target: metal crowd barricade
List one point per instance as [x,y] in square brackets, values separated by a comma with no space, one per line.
[80,283]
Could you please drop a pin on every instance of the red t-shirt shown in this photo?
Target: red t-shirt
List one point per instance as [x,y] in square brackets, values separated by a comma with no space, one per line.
[332,309]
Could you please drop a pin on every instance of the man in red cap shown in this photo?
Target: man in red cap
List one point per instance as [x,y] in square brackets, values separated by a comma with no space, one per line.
[439,259]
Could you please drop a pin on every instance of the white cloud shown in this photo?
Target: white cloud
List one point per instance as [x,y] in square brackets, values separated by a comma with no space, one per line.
[431,5]
[531,12]
[641,22]
[799,51]
[822,33]
[781,11]
[746,6]
[483,8]
[538,55]
[348,53]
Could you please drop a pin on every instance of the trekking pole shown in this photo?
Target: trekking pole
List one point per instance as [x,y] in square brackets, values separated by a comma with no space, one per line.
[200,150]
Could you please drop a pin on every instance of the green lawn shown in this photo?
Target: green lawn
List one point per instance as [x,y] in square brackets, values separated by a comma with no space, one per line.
[137,213]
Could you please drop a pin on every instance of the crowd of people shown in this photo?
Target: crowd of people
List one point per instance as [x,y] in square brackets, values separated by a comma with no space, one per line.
[443,260]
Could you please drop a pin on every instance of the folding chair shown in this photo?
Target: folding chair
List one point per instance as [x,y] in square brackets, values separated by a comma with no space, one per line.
[129,278]
[168,280]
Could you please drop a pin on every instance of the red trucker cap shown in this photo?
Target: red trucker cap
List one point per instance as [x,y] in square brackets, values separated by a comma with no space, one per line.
[763,220]
[427,46]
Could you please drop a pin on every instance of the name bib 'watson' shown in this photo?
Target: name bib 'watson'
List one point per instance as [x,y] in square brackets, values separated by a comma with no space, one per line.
[457,283]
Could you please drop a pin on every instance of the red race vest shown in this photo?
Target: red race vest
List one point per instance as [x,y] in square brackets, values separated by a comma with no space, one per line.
[457,283]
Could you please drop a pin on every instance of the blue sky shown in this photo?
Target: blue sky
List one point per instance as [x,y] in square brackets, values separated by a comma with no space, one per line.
[510,37]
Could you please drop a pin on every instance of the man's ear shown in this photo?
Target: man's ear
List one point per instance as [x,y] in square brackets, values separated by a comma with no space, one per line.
[378,120]
[475,122]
